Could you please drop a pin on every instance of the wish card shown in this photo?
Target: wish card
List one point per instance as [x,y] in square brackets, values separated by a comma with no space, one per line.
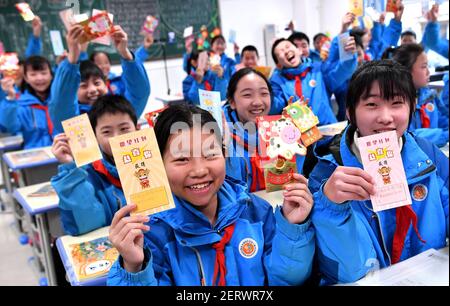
[141,171]
[210,101]
[391,6]
[343,54]
[97,26]
[105,40]
[381,158]
[25,11]
[82,140]
[356,7]
[9,64]
[150,24]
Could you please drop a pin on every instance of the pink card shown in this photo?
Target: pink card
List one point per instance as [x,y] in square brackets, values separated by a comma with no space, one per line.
[380,155]
[105,40]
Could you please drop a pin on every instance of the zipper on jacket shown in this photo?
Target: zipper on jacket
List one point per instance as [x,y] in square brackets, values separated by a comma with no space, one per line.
[201,271]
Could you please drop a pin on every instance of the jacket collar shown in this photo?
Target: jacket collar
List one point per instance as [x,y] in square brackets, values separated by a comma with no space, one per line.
[26,98]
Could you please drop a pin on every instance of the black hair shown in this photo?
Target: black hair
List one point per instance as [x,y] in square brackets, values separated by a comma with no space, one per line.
[406,55]
[358,40]
[111,104]
[88,69]
[357,31]
[192,57]
[216,38]
[232,85]
[249,48]
[318,36]
[394,80]
[298,36]
[182,113]
[95,53]
[408,32]
[275,44]
[37,63]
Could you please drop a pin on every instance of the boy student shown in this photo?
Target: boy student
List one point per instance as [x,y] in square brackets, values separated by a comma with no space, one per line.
[298,77]
[301,40]
[408,37]
[78,85]
[249,58]
[90,195]
[350,236]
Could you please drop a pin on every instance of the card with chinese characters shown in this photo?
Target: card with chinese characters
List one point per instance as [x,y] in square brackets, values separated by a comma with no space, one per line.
[210,101]
[141,171]
[392,6]
[381,158]
[95,27]
[356,7]
[82,140]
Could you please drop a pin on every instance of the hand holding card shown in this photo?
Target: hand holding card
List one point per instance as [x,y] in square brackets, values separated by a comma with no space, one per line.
[25,11]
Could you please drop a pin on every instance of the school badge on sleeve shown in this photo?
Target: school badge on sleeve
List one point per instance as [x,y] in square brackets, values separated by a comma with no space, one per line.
[419,192]
[248,248]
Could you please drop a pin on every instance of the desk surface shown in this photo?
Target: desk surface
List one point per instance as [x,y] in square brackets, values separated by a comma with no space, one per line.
[19,160]
[10,143]
[274,198]
[429,268]
[63,244]
[37,199]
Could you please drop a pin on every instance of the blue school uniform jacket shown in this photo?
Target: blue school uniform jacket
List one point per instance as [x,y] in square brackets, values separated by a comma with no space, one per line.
[431,39]
[20,117]
[430,103]
[313,88]
[87,199]
[179,245]
[240,166]
[384,37]
[64,103]
[34,46]
[351,238]
[218,84]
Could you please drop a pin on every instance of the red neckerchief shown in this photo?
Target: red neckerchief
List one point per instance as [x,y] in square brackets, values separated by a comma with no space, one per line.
[404,216]
[298,81]
[47,116]
[100,168]
[424,117]
[208,86]
[255,164]
[108,84]
[219,265]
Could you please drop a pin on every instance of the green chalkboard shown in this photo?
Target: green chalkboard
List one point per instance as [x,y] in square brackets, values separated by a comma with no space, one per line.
[174,16]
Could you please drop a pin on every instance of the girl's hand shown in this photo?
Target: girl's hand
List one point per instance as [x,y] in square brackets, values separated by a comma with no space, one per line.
[73,37]
[348,19]
[37,26]
[61,149]
[127,237]
[120,39]
[218,70]
[400,9]
[349,183]
[148,41]
[432,15]
[7,85]
[298,200]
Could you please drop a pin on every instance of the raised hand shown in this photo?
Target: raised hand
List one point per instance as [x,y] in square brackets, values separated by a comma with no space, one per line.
[298,200]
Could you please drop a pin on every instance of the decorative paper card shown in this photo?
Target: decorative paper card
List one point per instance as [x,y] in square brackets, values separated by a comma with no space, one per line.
[151,116]
[356,7]
[279,137]
[305,120]
[342,40]
[202,61]
[9,64]
[105,40]
[150,24]
[265,70]
[232,36]
[425,7]
[67,18]
[25,11]
[82,140]
[391,6]
[332,129]
[214,59]
[381,158]
[141,171]
[211,102]
[278,173]
[325,48]
[188,32]
[97,26]
[92,259]
[376,5]
[57,43]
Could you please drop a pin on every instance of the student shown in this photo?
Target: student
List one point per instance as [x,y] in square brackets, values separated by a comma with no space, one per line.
[317,41]
[34,47]
[351,238]
[218,234]
[427,121]
[301,40]
[297,78]
[28,113]
[190,78]
[89,196]
[249,58]
[218,46]
[78,85]
[408,37]
[431,36]
[212,79]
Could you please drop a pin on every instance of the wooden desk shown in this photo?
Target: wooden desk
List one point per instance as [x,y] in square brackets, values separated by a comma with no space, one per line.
[8,143]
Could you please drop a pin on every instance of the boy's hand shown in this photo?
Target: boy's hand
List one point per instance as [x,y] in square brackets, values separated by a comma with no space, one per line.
[37,26]
[347,184]
[73,42]
[127,237]
[432,15]
[188,44]
[218,70]
[236,48]
[298,200]
[120,39]
[350,46]
[399,13]
[61,149]
[348,19]
[62,57]
[148,40]
[7,85]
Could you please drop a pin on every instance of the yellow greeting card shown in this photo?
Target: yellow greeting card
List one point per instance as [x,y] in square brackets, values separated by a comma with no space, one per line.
[141,171]
[265,70]
[82,140]
[356,7]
